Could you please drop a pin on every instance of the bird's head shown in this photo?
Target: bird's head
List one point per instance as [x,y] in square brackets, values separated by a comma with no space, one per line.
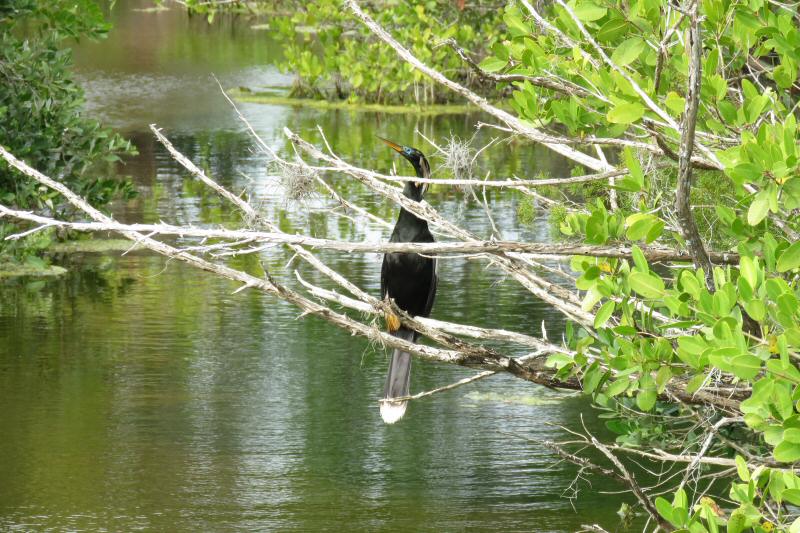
[421,166]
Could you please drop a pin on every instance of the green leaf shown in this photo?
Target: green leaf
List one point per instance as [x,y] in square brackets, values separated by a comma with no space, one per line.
[589,12]
[639,259]
[646,399]
[759,208]
[695,383]
[675,102]
[792,435]
[745,366]
[625,113]
[612,29]
[741,469]
[628,184]
[501,51]
[791,495]
[634,168]
[756,309]
[737,522]
[646,285]
[790,258]
[597,228]
[643,226]
[492,64]
[603,314]
[591,378]
[618,387]
[749,270]
[664,509]
[515,25]
[663,376]
[786,452]
[628,51]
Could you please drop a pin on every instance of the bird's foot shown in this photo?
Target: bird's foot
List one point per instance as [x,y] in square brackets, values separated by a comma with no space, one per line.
[392,322]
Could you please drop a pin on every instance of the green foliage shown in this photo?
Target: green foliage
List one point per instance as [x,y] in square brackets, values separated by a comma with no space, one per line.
[40,107]
[334,56]
[657,329]
[526,210]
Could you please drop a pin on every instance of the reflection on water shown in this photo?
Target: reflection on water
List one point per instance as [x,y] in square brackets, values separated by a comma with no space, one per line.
[141,394]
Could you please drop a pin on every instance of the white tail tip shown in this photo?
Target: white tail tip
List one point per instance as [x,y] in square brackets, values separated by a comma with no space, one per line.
[391,412]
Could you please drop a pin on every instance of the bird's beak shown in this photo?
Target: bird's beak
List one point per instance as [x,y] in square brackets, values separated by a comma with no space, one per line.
[394,146]
[401,150]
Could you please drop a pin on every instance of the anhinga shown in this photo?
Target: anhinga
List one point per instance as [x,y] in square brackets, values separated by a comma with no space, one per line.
[409,279]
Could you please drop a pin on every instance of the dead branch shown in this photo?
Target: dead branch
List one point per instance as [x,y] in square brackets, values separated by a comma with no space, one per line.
[688,226]
[557,296]
[448,327]
[634,486]
[512,121]
[544,250]
[559,86]
[534,370]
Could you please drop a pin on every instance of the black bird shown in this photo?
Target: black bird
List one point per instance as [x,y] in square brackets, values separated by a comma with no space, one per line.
[410,279]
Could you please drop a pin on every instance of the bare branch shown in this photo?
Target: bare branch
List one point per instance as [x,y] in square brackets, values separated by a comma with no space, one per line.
[512,121]
[559,86]
[543,250]
[688,226]
[631,482]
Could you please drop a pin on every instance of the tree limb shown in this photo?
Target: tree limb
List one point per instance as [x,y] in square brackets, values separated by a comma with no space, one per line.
[512,121]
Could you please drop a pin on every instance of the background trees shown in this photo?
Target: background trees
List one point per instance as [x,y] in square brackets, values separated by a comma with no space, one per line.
[41,105]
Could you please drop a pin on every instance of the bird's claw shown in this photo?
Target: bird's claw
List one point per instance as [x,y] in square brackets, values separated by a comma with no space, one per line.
[392,322]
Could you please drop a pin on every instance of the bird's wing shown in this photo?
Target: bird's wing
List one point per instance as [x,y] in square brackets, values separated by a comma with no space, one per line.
[384,283]
[432,289]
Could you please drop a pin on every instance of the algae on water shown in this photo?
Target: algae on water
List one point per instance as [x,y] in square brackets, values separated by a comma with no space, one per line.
[12,270]
[271,98]
[517,399]
[91,246]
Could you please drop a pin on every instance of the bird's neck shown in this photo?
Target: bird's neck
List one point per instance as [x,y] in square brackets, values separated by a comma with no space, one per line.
[412,192]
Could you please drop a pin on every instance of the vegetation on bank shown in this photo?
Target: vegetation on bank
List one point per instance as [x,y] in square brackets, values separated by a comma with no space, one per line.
[41,116]
[271,98]
[334,58]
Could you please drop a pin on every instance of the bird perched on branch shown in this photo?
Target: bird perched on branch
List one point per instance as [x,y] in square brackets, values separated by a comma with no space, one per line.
[410,280]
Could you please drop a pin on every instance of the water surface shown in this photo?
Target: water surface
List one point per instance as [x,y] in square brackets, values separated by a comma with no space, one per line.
[140,394]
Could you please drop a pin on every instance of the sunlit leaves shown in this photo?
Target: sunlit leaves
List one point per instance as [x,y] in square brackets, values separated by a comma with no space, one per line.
[492,64]
[625,113]
[675,103]
[643,226]
[612,29]
[628,51]
[603,314]
[790,258]
[588,11]
[516,26]
[759,208]
[655,326]
[787,452]
[646,285]
[646,399]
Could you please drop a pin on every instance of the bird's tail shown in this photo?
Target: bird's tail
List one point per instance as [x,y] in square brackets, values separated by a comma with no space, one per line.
[397,380]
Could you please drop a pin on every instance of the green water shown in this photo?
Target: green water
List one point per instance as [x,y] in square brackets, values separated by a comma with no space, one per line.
[139,394]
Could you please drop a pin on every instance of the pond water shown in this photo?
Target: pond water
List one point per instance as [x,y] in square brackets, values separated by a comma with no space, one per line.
[139,394]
